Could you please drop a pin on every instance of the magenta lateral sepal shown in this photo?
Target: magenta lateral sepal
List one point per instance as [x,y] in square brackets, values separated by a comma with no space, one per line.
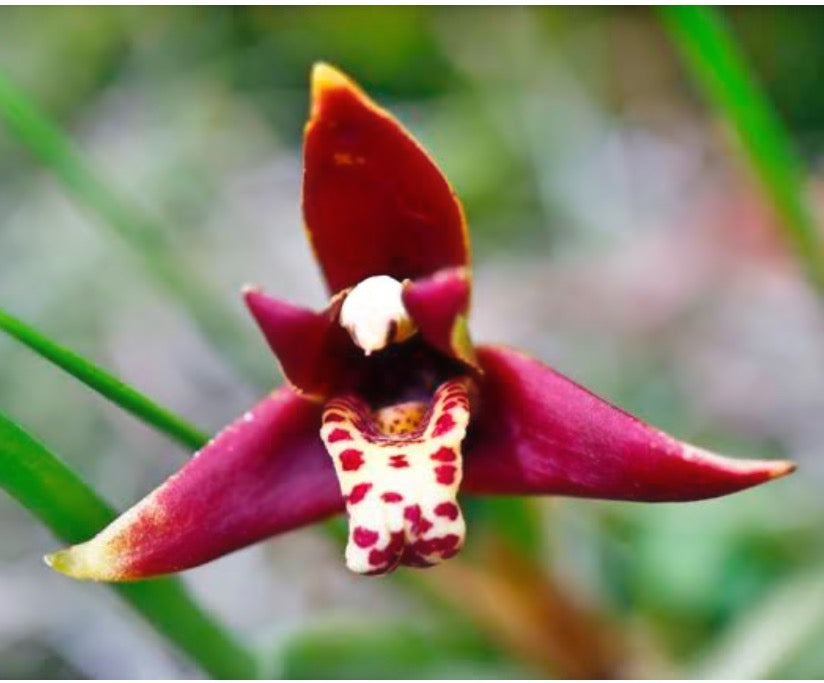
[266,473]
[538,432]
[314,351]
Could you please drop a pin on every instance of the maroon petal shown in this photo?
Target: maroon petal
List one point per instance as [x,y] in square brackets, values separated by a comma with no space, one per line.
[439,305]
[266,473]
[314,351]
[539,432]
[373,201]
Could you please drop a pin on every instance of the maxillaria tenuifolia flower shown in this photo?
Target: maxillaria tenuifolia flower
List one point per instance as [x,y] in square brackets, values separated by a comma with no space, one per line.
[389,408]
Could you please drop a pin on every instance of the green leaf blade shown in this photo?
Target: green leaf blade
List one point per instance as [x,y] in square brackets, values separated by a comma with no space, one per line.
[49,489]
[715,61]
[105,383]
[147,237]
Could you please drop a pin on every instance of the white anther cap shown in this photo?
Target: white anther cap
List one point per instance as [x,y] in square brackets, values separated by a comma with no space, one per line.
[374,315]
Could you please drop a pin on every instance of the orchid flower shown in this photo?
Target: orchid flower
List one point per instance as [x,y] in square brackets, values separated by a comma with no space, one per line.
[389,409]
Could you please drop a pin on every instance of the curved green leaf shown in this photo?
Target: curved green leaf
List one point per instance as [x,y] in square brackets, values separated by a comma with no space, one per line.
[70,508]
[105,383]
[717,65]
[146,236]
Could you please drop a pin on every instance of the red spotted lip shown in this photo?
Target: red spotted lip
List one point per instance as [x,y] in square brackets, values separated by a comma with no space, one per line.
[376,204]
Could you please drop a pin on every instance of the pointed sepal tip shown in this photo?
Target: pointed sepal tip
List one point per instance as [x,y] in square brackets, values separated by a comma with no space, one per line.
[326,78]
[83,562]
[538,432]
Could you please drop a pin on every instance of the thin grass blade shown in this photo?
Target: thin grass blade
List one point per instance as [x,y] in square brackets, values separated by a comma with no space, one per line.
[144,234]
[104,383]
[713,58]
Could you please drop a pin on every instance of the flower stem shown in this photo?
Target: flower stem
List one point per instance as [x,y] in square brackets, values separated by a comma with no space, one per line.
[716,63]
[70,508]
[105,383]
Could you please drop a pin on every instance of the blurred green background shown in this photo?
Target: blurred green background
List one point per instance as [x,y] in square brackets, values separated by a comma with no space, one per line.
[617,234]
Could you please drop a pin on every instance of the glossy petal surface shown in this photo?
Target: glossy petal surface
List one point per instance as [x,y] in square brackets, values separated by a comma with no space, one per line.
[374,203]
[266,473]
[439,305]
[539,432]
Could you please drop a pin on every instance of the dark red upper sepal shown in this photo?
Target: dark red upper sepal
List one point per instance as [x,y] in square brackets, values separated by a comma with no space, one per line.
[266,473]
[374,203]
[539,432]
[439,305]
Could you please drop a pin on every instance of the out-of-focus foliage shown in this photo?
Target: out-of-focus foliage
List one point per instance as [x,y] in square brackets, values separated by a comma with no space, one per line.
[390,650]
[617,235]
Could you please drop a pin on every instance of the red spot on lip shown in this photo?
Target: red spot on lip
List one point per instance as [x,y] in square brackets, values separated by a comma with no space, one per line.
[379,557]
[411,559]
[421,548]
[454,398]
[396,542]
[351,459]
[447,546]
[364,537]
[449,542]
[445,474]
[419,523]
[444,424]
[449,510]
[356,495]
[391,497]
[333,417]
[412,513]
[385,559]
[444,454]
[398,461]
[339,435]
